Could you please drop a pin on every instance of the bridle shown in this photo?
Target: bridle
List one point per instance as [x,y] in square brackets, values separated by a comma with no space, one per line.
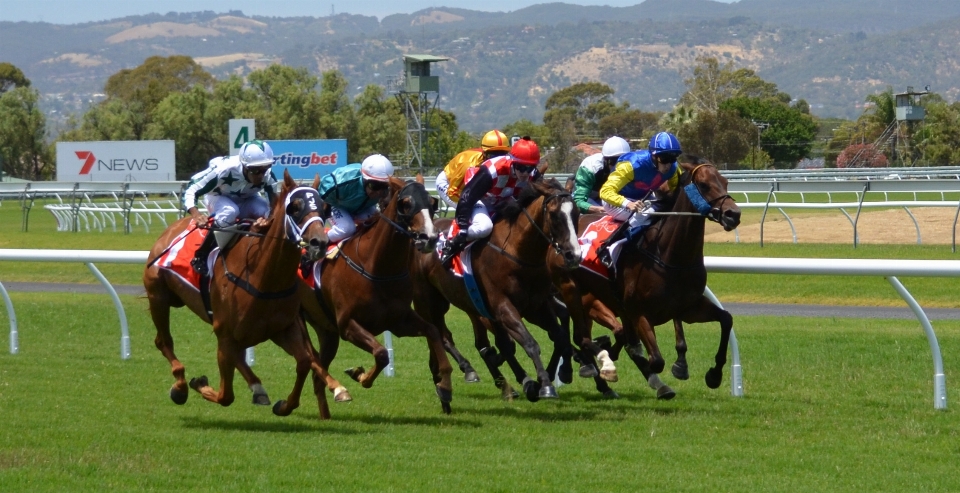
[543,213]
[707,208]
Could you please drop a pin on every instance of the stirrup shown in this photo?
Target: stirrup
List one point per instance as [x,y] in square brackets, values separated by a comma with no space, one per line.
[199,265]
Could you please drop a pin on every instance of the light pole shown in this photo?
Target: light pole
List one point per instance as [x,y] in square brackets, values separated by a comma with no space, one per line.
[761,126]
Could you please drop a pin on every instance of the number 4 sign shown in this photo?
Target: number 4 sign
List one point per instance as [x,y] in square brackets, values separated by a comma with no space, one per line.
[241,131]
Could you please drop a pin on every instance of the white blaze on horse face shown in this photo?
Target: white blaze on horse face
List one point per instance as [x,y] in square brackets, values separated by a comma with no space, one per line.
[428,224]
[567,209]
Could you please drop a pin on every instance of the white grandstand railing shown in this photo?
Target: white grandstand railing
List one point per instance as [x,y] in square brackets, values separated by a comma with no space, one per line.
[889,269]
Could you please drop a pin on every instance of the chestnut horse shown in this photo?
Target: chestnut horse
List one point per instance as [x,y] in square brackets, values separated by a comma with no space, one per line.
[658,279]
[247,296]
[366,289]
[513,280]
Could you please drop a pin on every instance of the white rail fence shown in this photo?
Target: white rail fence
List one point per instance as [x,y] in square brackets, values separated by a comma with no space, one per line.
[889,269]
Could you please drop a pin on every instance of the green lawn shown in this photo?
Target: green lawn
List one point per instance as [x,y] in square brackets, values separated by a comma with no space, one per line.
[830,405]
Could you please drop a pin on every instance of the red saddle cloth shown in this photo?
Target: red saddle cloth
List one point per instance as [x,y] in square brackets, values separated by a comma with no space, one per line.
[181,252]
[595,233]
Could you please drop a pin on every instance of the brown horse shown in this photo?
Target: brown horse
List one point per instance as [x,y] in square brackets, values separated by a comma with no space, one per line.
[513,282]
[366,289]
[247,299]
[659,279]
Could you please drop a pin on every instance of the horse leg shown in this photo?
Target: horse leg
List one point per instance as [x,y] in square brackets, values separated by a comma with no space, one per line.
[605,317]
[295,342]
[679,369]
[491,358]
[440,367]
[160,313]
[635,352]
[329,341]
[546,318]
[228,352]
[534,389]
[433,308]
[363,339]
[706,311]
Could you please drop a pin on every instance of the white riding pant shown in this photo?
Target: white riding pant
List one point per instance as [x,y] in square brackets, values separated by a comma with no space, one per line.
[620,214]
[442,185]
[343,224]
[480,223]
[225,210]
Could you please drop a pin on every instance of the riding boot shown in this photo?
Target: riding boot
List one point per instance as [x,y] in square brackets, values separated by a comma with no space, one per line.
[452,248]
[199,262]
[603,251]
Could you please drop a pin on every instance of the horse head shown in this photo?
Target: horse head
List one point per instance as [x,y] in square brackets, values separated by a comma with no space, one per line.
[706,189]
[304,225]
[413,212]
[559,217]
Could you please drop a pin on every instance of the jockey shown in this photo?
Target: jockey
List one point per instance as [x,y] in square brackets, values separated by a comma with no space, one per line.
[593,173]
[450,181]
[230,187]
[353,192]
[487,185]
[637,175]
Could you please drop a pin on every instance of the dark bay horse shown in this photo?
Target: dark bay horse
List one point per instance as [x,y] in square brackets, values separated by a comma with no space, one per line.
[248,296]
[366,289]
[513,280]
[659,279]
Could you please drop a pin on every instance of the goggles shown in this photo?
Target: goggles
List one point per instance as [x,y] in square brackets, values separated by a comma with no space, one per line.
[523,168]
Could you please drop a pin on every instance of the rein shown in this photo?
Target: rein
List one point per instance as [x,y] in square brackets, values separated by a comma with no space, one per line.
[552,242]
[253,291]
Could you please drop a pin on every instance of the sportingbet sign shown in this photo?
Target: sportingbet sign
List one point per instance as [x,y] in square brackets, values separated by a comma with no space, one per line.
[240,131]
[306,158]
[125,160]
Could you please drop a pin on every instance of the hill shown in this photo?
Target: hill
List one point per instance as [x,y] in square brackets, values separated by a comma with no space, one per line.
[503,65]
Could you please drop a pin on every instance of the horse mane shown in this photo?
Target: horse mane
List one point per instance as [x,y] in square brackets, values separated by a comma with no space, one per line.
[510,210]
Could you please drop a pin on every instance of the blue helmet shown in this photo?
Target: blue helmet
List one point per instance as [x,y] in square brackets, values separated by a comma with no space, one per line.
[665,142]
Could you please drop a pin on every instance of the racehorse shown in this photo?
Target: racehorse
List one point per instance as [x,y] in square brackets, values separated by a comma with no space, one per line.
[660,278]
[512,280]
[248,296]
[365,289]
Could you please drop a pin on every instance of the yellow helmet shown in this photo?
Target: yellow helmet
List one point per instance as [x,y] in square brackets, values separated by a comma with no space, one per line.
[495,140]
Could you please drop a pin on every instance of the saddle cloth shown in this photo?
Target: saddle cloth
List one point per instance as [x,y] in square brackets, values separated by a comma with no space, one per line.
[594,234]
[181,252]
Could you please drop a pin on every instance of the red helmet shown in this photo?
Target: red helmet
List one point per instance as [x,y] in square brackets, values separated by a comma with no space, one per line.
[525,151]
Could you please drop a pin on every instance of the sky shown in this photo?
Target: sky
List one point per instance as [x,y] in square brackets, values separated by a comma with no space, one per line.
[78,11]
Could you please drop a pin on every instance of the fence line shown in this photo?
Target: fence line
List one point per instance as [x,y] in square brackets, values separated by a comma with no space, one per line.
[889,269]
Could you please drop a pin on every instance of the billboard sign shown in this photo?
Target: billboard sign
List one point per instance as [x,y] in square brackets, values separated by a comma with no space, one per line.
[306,158]
[240,132]
[123,160]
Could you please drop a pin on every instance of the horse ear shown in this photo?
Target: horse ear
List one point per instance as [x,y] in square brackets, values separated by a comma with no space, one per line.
[542,167]
[288,180]
[316,181]
[569,184]
[419,178]
[434,206]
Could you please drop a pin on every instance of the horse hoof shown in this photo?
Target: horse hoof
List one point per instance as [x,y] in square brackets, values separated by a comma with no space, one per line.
[531,388]
[611,394]
[260,397]
[278,408]
[665,393]
[549,392]
[680,372]
[713,378]
[565,373]
[355,373]
[609,375]
[445,395]
[471,377]
[341,395]
[178,396]
[588,371]
[198,383]
[446,407]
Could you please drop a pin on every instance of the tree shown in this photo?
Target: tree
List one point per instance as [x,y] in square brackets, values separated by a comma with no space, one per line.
[157,77]
[23,149]
[290,106]
[789,133]
[710,85]
[722,137]
[187,119]
[381,126]
[862,156]
[629,124]
[938,140]
[582,105]
[445,139]
[11,77]
[112,119]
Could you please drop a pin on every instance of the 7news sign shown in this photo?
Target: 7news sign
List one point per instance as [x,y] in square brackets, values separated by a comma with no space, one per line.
[132,160]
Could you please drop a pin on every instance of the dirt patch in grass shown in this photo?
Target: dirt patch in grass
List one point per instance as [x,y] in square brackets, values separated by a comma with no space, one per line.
[892,226]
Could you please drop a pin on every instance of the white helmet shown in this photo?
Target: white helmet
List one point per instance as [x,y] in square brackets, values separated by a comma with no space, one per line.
[615,147]
[256,154]
[377,167]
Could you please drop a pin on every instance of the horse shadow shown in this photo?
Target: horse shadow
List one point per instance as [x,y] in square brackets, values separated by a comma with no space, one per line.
[260,426]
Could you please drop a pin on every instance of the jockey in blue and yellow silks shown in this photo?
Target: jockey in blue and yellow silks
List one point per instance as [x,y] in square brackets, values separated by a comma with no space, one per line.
[629,191]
